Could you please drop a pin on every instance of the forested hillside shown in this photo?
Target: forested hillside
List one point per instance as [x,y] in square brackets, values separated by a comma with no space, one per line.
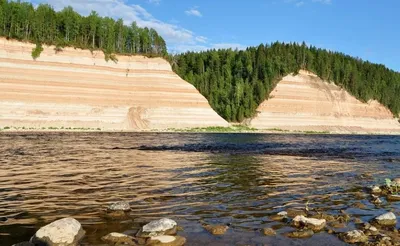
[236,82]
[43,25]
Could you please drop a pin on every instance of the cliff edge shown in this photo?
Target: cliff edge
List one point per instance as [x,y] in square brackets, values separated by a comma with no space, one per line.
[79,89]
[304,102]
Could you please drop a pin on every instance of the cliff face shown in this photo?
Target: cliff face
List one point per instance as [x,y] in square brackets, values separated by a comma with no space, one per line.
[78,88]
[306,103]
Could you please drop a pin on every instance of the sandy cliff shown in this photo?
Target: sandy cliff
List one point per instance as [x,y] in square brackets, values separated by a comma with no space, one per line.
[77,88]
[306,103]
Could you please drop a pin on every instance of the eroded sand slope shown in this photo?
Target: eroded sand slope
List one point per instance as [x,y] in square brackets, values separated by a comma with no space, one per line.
[306,103]
[77,88]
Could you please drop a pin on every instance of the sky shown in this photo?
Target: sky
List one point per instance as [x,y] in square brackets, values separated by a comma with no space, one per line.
[368,29]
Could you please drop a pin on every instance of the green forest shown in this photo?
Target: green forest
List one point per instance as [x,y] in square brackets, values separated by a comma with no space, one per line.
[44,25]
[235,82]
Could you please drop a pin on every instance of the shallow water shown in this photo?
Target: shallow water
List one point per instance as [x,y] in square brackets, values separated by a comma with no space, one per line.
[238,179]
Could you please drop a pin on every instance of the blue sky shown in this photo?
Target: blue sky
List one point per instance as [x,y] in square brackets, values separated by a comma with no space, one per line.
[363,28]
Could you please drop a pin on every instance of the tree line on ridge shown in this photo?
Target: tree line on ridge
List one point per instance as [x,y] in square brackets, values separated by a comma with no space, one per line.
[44,25]
[235,82]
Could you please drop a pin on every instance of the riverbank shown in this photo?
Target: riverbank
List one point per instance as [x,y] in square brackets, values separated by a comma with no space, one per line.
[214,129]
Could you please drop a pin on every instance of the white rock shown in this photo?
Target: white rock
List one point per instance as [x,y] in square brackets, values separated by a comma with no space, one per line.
[283,213]
[164,239]
[119,206]
[314,224]
[387,216]
[355,236]
[63,232]
[163,224]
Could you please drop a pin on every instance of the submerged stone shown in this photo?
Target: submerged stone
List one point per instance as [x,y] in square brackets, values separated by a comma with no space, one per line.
[63,232]
[355,236]
[166,240]
[293,212]
[160,227]
[394,198]
[300,234]
[269,232]
[119,206]
[115,238]
[216,229]
[376,189]
[311,223]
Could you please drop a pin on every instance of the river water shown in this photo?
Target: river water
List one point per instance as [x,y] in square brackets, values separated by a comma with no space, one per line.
[236,179]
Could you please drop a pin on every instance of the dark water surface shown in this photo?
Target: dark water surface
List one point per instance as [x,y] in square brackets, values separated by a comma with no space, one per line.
[239,179]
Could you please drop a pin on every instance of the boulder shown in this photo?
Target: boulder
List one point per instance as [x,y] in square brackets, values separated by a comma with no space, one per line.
[396,180]
[355,236]
[387,219]
[300,234]
[166,240]
[115,238]
[269,232]
[160,227]
[216,229]
[310,223]
[119,206]
[63,232]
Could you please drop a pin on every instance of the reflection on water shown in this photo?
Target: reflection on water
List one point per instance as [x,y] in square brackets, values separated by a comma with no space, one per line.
[239,179]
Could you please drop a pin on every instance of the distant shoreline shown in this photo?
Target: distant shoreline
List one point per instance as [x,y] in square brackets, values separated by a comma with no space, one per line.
[217,130]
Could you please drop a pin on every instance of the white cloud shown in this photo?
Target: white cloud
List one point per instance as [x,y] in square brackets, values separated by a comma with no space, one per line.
[201,39]
[299,4]
[194,12]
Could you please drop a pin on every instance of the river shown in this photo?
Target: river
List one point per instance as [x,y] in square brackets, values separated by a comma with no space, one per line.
[235,179]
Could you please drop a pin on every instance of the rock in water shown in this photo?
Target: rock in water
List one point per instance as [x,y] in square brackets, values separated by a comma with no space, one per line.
[119,206]
[313,224]
[216,229]
[115,238]
[393,198]
[376,189]
[269,232]
[300,234]
[355,236]
[160,227]
[63,232]
[167,241]
[387,219]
